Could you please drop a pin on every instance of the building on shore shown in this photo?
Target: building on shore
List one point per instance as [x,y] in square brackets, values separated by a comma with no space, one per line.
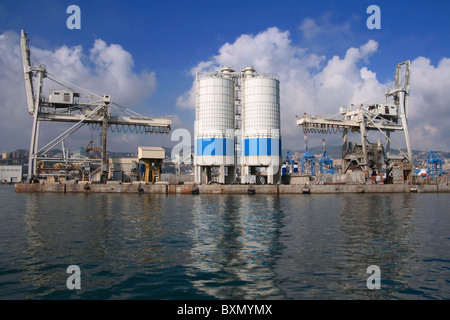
[10,174]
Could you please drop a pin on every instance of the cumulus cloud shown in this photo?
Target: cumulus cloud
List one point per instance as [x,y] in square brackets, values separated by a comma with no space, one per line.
[318,85]
[429,112]
[108,69]
[105,69]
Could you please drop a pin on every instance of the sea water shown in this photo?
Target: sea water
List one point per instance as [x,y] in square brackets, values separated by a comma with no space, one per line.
[246,247]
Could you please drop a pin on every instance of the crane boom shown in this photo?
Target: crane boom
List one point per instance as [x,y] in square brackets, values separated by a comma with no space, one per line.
[27,71]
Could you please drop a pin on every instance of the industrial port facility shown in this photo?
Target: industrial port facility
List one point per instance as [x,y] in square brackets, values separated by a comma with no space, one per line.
[237,141]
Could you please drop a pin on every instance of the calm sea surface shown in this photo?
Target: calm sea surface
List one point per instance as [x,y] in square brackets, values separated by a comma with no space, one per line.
[140,246]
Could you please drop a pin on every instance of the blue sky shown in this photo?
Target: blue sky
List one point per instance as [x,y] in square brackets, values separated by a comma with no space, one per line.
[171,39]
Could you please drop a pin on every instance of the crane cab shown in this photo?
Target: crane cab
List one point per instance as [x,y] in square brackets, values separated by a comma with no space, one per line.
[62,97]
[386,110]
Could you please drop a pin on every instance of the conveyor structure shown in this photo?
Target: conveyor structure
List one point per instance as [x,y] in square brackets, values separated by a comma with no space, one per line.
[65,105]
[385,118]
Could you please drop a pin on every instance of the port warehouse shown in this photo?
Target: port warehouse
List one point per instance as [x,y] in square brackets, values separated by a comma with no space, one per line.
[10,174]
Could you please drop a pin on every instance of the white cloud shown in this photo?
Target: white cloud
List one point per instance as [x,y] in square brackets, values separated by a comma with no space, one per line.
[326,32]
[429,112]
[310,28]
[107,69]
[315,85]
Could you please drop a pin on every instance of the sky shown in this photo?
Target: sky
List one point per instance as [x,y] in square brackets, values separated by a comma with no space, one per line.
[145,55]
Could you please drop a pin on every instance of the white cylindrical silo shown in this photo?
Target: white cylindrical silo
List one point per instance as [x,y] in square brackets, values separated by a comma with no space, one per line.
[214,123]
[261,136]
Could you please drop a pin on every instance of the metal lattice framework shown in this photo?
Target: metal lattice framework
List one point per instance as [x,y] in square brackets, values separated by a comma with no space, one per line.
[385,118]
[434,165]
[63,105]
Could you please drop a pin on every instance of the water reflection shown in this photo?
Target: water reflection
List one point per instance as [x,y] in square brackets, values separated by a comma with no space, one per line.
[329,241]
[378,230]
[104,234]
[225,246]
[309,234]
[235,245]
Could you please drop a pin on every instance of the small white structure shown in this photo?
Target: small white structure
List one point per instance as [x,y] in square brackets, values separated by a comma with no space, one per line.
[123,169]
[151,153]
[150,163]
[62,97]
[10,174]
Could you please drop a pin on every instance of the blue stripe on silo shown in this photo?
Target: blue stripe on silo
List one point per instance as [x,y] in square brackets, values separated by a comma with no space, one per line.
[262,147]
[230,147]
[215,147]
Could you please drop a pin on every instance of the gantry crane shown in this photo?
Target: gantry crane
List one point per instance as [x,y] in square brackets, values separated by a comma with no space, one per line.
[288,158]
[308,161]
[290,165]
[434,165]
[385,118]
[64,105]
[326,164]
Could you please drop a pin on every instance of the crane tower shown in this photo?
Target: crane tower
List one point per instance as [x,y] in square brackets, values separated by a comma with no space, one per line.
[385,118]
[64,105]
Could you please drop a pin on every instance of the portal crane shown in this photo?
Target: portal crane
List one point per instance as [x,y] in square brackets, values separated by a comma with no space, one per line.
[308,159]
[326,164]
[63,105]
[434,165]
[385,118]
[288,158]
[289,164]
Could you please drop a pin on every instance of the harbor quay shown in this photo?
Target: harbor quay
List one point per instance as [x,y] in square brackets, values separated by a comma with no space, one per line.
[165,188]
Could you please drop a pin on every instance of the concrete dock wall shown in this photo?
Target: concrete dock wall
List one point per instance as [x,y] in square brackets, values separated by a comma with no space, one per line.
[227,189]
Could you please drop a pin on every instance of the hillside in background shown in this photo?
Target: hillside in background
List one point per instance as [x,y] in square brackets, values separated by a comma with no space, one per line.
[20,157]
